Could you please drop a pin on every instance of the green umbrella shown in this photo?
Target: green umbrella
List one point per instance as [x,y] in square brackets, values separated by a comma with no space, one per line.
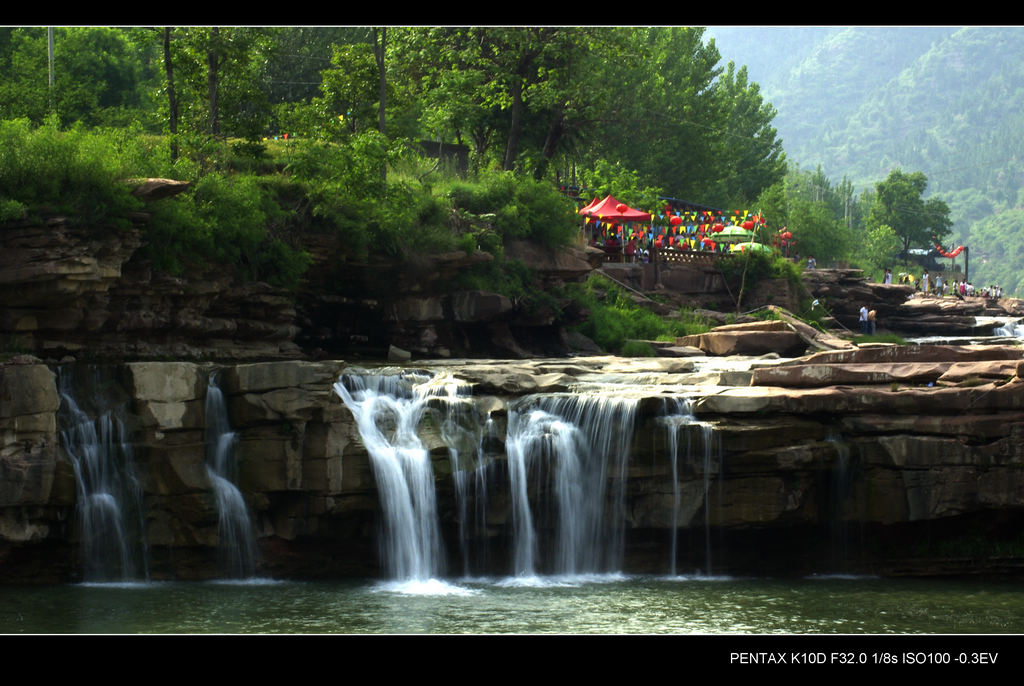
[756,247]
[733,234]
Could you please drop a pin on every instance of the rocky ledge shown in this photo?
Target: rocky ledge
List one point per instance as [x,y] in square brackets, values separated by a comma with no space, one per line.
[883,460]
[901,309]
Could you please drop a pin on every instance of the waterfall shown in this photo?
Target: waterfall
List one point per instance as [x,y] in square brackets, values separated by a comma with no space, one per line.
[574,446]
[840,489]
[463,432]
[237,551]
[566,456]
[388,408]
[679,413]
[109,504]
[1013,328]
[709,450]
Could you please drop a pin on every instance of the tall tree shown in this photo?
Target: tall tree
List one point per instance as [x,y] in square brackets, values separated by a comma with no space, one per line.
[665,110]
[899,204]
[748,145]
[172,101]
[380,46]
[224,86]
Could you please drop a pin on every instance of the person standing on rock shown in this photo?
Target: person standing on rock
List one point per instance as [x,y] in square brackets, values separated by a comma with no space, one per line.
[924,283]
[864,319]
[872,315]
[888,277]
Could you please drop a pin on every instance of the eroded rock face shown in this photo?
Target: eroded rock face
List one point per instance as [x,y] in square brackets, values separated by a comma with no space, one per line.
[69,289]
[781,460]
[900,308]
[755,338]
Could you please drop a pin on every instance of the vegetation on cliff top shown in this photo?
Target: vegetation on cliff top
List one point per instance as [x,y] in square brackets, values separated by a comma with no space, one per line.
[285,132]
[615,319]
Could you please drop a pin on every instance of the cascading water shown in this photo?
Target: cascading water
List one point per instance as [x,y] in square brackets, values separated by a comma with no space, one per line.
[840,489]
[237,551]
[574,445]
[566,457]
[1012,328]
[679,413]
[388,409]
[109,508]
[464,434]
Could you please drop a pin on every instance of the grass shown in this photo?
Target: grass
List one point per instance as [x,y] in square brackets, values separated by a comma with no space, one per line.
[615,318]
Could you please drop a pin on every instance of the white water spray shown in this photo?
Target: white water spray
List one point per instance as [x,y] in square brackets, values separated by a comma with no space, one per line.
[576,448]
[237,549]
[679,414]
[388,409]
[110,515]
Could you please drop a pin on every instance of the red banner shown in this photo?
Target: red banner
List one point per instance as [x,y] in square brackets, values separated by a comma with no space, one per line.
[950,255]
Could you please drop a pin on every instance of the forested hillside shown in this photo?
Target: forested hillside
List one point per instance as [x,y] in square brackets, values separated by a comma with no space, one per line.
[943,100]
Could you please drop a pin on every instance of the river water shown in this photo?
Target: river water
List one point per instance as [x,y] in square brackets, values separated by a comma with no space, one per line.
[615,604]
[583,600]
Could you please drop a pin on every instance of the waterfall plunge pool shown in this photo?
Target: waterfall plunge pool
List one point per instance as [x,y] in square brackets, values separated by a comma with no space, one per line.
[596,604]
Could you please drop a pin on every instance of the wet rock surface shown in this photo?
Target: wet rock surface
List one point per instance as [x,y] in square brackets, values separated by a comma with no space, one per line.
[904,451]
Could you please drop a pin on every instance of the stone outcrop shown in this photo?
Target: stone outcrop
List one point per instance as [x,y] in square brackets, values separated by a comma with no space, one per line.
[901,309]
[89,292]
[754,338]
[70,289]
[883,441]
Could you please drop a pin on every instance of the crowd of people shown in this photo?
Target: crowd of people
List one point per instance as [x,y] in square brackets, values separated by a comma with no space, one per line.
[939,287]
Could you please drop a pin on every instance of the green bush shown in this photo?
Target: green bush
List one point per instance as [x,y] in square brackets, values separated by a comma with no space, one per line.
[350,190]
[518,207]
[614,318]
[224,221]
[79,173]
[637,349]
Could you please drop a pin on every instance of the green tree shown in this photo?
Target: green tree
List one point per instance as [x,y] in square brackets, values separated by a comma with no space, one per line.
[350,86]
[877,247]
[817,231]
[607,178]
[899,204]
[773,205]
[748,146]
[98,72]
[517,94]
[223,86]
[663,119]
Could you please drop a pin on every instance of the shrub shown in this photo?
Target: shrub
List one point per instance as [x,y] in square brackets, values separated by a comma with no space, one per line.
[519,207]
[79,173]
[637,349]
[614,317]
[224,221]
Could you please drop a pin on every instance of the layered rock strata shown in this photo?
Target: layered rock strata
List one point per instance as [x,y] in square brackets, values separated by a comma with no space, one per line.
[901,309]
[902,460]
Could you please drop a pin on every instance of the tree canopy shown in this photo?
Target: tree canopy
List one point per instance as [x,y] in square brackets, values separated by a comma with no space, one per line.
[899,203]
[639,112]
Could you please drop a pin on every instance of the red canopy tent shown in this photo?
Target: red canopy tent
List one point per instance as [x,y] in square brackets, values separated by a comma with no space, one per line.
[609,210]
[612,211]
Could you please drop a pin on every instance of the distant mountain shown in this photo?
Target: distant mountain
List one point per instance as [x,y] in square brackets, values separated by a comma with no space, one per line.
[861,101]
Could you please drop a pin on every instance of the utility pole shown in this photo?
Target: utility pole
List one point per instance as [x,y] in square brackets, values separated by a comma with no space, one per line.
[49,51]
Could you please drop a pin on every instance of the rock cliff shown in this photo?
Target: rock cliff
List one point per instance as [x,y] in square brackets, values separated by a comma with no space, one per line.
[90,292]
[902,460]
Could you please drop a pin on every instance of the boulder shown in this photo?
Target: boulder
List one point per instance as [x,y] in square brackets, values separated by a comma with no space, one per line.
[756,341]
[157,189]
